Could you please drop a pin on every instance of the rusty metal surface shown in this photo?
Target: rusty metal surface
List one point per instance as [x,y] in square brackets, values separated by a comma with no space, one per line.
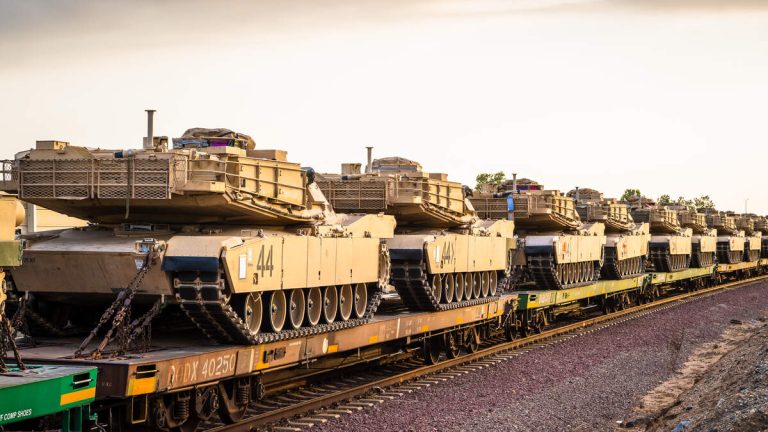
[178,363]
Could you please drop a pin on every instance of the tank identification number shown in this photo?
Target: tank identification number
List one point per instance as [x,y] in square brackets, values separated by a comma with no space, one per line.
[16,415]
[447,256]
[264,264]
[202,369]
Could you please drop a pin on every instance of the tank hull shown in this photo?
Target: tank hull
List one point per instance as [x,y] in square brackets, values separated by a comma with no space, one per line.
[670,252]
[625,253]
[229,272]
[558,260]
[438,270]
[730,248]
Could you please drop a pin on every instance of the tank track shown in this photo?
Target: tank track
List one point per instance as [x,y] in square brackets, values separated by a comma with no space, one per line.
[726,256]
[409,277]
[543,271]
[207,307]
[617,269]
[701,259]
[751,255]
[664,262]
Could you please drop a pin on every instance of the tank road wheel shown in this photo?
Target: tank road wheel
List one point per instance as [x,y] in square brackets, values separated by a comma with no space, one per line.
[449,287]
[493,282]
[361,300]
[234,395]
[452,344]
[250,310]
[314,306]
[297,306]
[469,286]
[485,286]
[330,303]
[477,285]
[471,340]
[460,283]
[276,310]
[346,302]
[437,286]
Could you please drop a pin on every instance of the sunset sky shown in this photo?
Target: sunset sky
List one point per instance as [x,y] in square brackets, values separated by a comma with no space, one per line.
[665,96]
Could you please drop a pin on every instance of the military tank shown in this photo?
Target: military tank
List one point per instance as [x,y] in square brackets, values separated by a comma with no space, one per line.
[561,251]
[243,241]
[442,255]
[626,246]
[704,238]
[730,240]
[671,244]
[761,226]
[11,216]
[752,237]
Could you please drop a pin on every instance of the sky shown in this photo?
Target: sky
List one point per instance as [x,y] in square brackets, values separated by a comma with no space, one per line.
[668,96]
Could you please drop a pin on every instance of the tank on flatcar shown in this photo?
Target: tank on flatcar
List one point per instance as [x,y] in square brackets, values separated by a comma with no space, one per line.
[241,239]
[442,255]
[561,251]
[704,239]
[671,244]
[730,240]
[626,247]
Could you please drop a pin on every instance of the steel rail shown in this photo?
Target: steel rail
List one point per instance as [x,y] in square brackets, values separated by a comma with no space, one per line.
[324,401]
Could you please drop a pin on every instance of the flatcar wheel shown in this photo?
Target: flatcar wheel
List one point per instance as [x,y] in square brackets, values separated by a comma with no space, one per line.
[361,300]
[314,306]
[234,397]
[276,310]
[330,303]
[477,285]
[493,282]
[250,309]
[432,348]
[452,344]
[437,286]
[471,340]
[346,302]
[297,306]
[449,288]
[206,402]
[539,322]
[485,286]
[459,286]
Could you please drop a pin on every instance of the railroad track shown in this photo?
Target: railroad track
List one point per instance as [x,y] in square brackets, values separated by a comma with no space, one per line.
[312,405]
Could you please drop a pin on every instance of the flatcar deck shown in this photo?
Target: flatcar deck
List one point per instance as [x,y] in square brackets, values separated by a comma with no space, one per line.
[178,364]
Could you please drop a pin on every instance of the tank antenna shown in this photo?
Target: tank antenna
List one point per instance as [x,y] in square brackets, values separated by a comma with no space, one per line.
[369,167]
[149,144]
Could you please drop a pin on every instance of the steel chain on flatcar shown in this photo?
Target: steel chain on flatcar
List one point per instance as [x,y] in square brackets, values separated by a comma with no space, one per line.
[119,308]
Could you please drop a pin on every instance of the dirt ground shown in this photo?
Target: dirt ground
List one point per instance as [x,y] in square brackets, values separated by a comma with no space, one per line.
[722,387]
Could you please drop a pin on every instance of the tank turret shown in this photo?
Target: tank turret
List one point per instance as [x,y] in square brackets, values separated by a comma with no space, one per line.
[400,187]
[208,177]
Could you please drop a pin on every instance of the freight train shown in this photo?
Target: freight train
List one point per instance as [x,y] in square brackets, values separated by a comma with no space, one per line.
[265,267]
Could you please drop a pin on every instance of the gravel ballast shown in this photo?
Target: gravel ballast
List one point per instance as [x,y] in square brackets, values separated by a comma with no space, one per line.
[586,383]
